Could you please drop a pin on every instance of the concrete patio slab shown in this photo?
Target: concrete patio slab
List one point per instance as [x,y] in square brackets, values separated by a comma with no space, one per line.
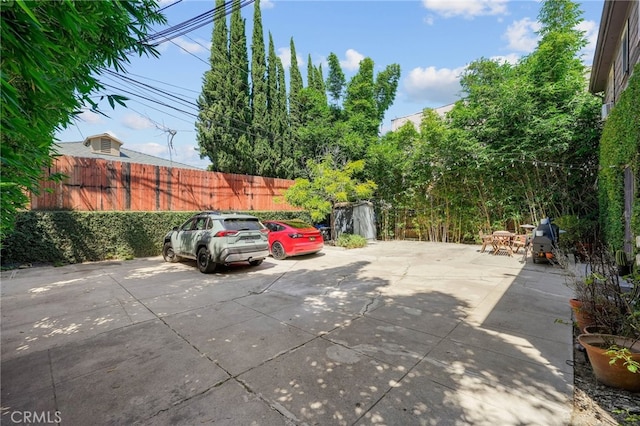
[397,332]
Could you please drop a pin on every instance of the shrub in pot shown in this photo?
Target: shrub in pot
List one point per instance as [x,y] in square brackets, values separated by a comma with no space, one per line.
[613,307]
[615,360]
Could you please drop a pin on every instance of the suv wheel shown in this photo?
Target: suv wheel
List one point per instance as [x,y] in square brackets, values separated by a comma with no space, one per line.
[205,264]
[168,254]
[255,262]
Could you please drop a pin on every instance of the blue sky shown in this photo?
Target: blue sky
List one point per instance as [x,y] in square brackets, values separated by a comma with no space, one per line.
[432,41]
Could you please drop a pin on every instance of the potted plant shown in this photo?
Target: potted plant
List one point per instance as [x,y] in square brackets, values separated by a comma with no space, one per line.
[615,355]
[615,360]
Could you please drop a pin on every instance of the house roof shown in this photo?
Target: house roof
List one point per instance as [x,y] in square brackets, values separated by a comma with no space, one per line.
[612,21]
[79,149]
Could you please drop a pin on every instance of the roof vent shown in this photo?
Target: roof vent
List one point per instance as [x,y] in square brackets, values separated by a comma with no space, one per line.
[104,144]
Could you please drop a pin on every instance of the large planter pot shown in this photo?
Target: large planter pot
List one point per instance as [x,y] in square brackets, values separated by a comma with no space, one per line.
[596,329]
[583,319]
[615,375]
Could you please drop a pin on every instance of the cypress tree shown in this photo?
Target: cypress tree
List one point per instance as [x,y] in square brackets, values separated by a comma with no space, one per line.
[239,109]
[295,86]
[212,122]
[319,81]
[273,108]
[336,80]
[259,90]
[311,73]
[286,165]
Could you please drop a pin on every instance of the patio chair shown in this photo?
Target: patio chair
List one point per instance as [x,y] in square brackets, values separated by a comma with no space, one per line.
[518,242]
[486,239]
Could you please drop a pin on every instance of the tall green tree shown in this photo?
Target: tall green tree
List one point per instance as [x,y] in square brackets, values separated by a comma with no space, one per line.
[260,129]
[213,122]
[327,185]
[336,80]
[295,86]
[276,110]
[520,146]
[286,166]
[319,81]
[311,72]
[367,99]
[53,54]
[239,109]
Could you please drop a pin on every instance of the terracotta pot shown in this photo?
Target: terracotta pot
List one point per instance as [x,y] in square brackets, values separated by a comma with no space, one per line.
[583,318]
[615,375]
[596,329]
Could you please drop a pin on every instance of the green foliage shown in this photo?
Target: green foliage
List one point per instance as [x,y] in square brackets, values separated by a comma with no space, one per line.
[295,86]
[264,166]
[351,241]
[335,81]
[621,258]
[620,148]
[61,237]
[522,144]
[328,185]
[577,230]
[53,54]
[212,120]
[625,355]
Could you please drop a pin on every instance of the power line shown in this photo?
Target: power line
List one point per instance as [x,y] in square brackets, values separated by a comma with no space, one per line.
[194,23]
[169,5]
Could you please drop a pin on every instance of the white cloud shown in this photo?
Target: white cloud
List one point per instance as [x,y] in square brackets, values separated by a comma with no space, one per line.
[351,60]
[266,4]
[137,122]
[429,20]
[151,148]
[181,153]
[284,53]
[590,28]
[90,117]
[521,35]
[197,46]
[189,154]
[512,58]
[466,8]
[431,85]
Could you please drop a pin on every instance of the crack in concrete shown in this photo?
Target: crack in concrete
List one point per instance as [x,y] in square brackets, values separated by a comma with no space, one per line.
[366,307]
[53,382]
[267,287]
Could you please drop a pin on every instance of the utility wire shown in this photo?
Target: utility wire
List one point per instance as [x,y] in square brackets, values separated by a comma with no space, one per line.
[169,5]
[194,23]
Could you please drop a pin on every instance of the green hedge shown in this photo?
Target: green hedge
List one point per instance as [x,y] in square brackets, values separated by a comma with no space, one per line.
[61,237]
[619,148]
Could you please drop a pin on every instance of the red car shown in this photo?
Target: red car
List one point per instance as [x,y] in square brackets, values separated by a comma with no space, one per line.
[292,238]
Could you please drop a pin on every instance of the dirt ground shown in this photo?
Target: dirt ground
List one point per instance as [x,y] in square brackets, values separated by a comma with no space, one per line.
[596,404]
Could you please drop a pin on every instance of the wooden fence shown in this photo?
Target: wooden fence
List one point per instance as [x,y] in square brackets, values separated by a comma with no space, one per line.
[96,185]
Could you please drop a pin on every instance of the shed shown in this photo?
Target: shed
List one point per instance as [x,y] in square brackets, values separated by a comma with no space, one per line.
[355,218]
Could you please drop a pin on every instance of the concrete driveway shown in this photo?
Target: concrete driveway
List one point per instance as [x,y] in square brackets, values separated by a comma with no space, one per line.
[397,333]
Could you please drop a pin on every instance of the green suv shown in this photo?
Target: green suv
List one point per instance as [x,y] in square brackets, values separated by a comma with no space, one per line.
[214,238]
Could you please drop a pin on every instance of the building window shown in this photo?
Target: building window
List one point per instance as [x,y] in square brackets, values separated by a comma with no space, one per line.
[624,49]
